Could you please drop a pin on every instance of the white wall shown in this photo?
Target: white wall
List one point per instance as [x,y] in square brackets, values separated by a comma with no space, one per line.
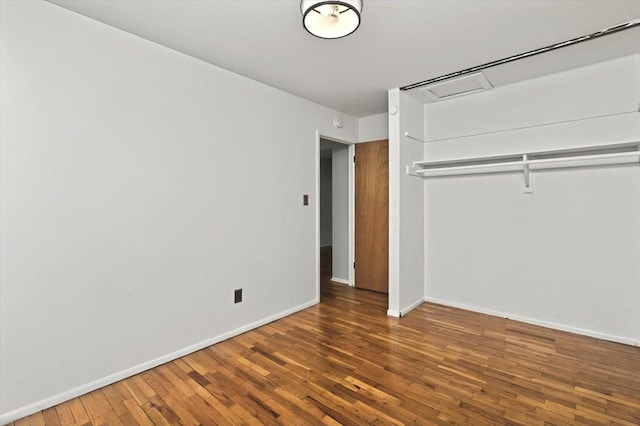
[340,228]
[373,128]
[139,188]
[325,201]
[406,206]
[566,256]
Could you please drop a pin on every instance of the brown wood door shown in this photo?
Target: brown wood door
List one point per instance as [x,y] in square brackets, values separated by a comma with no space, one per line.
[372,216]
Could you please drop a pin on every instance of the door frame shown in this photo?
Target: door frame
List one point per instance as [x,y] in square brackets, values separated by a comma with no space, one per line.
[351,209]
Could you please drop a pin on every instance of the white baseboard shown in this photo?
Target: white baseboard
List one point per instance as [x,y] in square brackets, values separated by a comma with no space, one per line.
[97,384]
[534,321]
[340,280]
[412,306]
[406,310]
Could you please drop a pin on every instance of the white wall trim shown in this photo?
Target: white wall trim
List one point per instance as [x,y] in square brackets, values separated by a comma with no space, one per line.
[352,216]
[528,320]
[340,281]
[394,204]
[317,208]
[97,384]
[411,307]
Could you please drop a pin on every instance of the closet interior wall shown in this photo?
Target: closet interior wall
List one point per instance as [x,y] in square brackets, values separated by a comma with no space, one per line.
[564,256]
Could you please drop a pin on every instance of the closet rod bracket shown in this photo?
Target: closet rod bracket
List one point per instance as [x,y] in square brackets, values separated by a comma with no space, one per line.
[411,171]
[528,188]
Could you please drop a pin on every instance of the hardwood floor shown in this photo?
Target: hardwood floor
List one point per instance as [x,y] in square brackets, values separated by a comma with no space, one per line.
[344,361]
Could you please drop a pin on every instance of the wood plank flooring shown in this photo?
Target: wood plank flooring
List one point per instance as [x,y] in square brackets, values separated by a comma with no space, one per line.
[345,362]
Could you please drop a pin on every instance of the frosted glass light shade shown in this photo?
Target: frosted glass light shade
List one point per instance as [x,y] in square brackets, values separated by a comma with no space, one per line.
[331,19]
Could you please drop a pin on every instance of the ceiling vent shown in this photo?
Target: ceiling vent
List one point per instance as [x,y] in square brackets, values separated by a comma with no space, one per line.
[461,86]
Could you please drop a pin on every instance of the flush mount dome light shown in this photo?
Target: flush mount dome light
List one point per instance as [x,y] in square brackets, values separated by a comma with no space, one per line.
[331,19]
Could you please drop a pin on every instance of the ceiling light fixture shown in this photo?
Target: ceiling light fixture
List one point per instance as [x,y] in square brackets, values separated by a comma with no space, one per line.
[331,19]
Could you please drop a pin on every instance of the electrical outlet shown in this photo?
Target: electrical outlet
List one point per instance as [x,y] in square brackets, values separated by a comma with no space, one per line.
[237,296]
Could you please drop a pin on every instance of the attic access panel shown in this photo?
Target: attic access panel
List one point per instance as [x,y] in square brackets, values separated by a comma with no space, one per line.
[461,86]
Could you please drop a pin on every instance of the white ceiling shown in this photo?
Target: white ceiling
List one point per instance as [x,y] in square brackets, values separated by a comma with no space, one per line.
[399,41]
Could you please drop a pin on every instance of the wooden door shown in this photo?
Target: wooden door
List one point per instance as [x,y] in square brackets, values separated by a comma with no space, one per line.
[372,216]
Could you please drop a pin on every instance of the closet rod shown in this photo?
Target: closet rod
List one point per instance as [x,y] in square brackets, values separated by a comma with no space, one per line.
[516,164]
[585,157]
[607,31]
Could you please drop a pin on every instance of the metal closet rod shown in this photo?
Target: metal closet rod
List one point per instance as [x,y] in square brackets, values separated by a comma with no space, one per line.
[592,36]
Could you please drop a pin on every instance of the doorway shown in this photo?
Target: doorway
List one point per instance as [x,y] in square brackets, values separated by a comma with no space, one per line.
[349,175]
[335,211]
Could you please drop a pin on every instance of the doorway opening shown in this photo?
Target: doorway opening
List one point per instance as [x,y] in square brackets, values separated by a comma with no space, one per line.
[335,211]
[352,214]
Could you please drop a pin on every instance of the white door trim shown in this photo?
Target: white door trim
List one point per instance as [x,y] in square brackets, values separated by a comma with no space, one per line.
[351,210]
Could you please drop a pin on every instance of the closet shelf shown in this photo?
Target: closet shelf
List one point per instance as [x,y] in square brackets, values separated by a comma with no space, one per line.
[596,155]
